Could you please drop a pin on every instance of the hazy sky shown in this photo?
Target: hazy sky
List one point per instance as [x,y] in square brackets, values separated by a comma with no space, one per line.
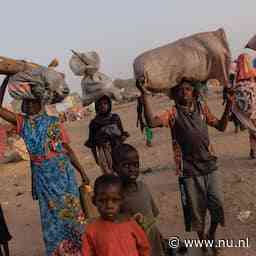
[117,30]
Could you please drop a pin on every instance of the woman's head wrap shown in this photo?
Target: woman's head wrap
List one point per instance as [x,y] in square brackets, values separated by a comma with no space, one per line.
[97,103]
[245,70]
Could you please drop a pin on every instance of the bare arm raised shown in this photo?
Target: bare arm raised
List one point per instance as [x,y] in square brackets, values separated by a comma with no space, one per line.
[219,124]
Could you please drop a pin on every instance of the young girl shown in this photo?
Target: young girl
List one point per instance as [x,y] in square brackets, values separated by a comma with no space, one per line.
[105,132]
[138,200]
[112,234]
[5,236]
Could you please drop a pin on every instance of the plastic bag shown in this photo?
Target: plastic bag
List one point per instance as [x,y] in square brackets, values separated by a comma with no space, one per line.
[94,83]
[82,62]
[98,85]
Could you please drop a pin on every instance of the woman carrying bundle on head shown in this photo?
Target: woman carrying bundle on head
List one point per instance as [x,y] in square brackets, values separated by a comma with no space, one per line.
[245,98]
[53,177]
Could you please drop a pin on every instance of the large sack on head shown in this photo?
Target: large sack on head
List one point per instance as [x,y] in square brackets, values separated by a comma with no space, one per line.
[41,83]
[94,83]
[198,57]
[80,63]
[98,85]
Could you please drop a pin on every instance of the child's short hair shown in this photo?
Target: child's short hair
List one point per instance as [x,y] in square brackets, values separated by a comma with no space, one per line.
[122,150]
[105,181]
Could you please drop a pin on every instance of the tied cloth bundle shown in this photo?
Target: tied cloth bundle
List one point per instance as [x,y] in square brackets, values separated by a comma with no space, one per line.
[245,92]
[41,83]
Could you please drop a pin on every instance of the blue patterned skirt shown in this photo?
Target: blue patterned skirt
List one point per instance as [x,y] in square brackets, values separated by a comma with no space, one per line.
[62,218]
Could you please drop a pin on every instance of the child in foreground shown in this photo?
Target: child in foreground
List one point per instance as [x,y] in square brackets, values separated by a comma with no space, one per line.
[112,234]
[5,236]
[138,200]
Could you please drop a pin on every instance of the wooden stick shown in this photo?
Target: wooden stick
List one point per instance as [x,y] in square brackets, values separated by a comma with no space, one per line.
[3,88]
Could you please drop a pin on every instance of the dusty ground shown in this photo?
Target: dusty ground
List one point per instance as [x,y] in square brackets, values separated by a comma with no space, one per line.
[238,172]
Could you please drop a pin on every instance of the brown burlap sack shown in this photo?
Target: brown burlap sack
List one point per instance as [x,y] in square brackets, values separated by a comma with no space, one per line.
[198,57]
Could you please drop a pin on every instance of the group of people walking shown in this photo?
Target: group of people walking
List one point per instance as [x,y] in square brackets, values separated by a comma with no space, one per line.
[126,225]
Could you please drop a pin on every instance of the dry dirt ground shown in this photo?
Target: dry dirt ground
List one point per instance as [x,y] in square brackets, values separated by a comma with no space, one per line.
[237,171]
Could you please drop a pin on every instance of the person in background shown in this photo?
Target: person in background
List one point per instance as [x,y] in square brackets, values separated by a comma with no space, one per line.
[245,88]
[201,90]
[149,136]
[105,132]
[232,117]
[112,234]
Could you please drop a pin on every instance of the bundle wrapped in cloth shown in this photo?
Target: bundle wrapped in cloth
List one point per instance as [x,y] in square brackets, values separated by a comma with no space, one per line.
[41,83]
[199,57]
[82,62]
[94,83]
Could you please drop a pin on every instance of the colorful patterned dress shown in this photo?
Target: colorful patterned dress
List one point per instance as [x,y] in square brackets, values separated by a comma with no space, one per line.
[53,184]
